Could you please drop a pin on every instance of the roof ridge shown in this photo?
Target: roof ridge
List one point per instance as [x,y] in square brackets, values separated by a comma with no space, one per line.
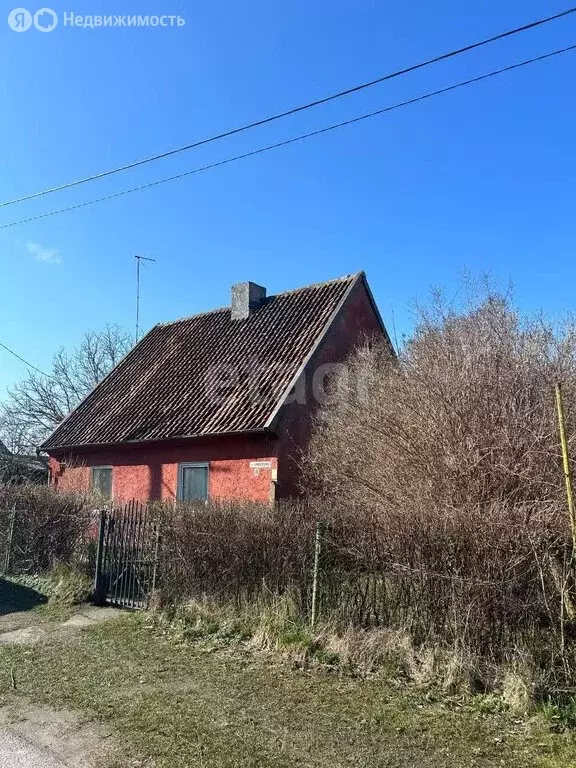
[191,317]
[320,284]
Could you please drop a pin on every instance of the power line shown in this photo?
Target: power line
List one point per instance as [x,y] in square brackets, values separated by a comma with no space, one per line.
[22,360]
[293,140]
[294,110]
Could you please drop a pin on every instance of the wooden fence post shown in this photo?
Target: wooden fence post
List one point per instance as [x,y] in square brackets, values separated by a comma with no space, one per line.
[566,465]
[9,540]
[99,597]
[153,597]
[317,551]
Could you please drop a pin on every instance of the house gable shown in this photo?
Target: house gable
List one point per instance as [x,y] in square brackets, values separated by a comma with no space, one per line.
[357,321]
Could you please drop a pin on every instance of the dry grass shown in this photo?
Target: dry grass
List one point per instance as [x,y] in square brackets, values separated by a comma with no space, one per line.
[518,689]
[197,704]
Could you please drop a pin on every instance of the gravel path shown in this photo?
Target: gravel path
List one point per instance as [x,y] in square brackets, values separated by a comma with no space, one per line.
[18,753]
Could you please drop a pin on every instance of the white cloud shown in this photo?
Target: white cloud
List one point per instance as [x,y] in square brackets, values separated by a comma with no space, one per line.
[40,253]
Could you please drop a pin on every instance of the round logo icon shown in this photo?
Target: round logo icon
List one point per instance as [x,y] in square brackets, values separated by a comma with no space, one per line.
[19,19]
[45,20]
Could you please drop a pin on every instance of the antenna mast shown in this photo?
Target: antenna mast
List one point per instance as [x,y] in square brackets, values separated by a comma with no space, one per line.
[138,260]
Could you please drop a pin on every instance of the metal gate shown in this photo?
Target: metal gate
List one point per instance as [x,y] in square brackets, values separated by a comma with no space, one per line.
[127,557]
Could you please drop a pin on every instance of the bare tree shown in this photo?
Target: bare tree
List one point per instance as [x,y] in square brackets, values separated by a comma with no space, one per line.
[38,403]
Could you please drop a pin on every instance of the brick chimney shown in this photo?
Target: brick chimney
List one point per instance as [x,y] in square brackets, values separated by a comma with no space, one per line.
[246,298]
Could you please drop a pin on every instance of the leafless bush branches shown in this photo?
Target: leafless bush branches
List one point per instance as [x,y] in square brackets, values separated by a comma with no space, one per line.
[236,551]
[446,465]
[42,527]
[465,416]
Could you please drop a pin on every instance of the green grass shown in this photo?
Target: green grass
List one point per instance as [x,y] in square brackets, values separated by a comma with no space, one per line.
[194,704]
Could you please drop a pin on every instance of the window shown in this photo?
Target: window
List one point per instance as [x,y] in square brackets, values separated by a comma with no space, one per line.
[102,482]
[193,482]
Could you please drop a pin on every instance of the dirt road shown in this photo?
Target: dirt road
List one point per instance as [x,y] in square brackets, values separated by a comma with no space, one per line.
[16,752]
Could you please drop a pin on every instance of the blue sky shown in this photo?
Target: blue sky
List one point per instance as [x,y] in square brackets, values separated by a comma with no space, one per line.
[481,179]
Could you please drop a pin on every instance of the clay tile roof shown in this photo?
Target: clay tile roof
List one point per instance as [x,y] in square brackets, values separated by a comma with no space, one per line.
[206,374]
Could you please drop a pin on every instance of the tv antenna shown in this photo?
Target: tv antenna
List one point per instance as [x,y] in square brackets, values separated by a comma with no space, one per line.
[138,260]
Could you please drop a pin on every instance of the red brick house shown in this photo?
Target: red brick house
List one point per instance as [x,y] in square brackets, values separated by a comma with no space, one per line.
[217,405]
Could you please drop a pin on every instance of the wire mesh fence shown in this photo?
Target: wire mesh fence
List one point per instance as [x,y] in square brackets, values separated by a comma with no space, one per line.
[484,575]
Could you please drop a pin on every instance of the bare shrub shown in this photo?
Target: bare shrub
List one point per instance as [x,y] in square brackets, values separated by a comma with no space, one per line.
[481,576]
[463,590]
[452,521]
[464,416]
[237,551]
[48,527]
[448,600]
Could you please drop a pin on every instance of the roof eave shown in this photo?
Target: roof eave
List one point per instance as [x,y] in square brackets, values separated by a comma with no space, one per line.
[175,438]
[379,316]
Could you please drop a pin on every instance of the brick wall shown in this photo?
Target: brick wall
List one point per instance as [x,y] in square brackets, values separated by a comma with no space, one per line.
[356,322]
[150,471]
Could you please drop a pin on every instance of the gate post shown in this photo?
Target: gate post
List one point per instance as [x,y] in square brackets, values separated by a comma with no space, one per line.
[99,595]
